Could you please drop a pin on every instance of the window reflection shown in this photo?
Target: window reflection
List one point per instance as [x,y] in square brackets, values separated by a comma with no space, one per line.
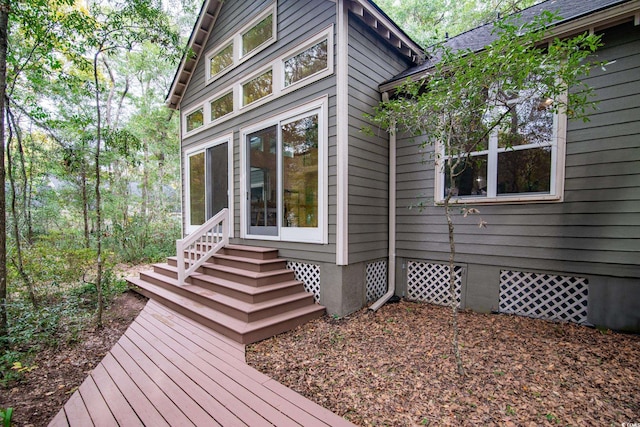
[257,35]
[306,63]
[300,172]
[257,88]
[221,60]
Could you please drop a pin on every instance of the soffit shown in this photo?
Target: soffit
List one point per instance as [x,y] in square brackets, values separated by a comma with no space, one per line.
[199,35]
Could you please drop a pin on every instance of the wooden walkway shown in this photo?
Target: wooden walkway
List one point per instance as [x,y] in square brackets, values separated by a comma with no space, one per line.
[168,370]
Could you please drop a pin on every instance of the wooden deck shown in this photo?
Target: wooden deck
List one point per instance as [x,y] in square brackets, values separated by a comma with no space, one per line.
[168,370]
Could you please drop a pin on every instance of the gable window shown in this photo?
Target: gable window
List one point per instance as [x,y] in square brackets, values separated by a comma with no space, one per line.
[222,106]
[306,63]
[309,61]
[257,35]
[221,60]
[257,88]
[195,120]
[519,160]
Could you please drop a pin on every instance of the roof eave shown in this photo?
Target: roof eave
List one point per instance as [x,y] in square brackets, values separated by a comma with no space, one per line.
[375,19]
[199,35]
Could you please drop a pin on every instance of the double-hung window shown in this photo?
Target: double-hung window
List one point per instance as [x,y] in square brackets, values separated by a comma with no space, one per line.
[520,160]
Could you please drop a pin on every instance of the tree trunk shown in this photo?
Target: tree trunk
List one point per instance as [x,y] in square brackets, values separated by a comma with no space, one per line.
[85,202]
[453,165]
[98,207]
[4,24]
[452,288]
[145,178]
[18,263]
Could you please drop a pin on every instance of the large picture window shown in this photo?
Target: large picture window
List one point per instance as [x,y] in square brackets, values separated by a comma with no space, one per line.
[285,177]
[518,161]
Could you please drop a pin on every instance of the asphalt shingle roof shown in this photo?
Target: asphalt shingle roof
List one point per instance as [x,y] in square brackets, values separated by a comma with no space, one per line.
[476,39]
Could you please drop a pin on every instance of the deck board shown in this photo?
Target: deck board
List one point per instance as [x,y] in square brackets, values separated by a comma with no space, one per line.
[241,398]
[169,370]
[98,410]
[76,411]
[254,381]
[170,411]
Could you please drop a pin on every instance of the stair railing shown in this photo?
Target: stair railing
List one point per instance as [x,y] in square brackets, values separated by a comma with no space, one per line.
[198,246]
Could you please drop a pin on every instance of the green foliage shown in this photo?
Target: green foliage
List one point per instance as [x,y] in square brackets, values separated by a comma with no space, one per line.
[452,105]
[428,22]
[139,240]
[5,416]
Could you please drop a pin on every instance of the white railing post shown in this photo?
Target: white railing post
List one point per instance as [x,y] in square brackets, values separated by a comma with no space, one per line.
[200,245]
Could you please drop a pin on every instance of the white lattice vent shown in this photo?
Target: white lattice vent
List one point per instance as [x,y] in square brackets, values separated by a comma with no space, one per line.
[376,280]
[544,296]
[429,282]
[309,275]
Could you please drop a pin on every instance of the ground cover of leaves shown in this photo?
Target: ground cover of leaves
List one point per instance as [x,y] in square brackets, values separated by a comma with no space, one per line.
[394,367]
[58,371]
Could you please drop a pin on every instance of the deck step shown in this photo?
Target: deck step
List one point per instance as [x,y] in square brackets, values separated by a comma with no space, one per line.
[246,311]
[250,252]
[251,264]
[238,330]
[243,292]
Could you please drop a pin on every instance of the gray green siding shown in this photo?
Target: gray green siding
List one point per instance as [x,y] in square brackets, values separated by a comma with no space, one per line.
[594,231]
[297,20]
[371,62]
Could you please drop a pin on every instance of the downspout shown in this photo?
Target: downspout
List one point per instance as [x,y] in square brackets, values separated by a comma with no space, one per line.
[391,272]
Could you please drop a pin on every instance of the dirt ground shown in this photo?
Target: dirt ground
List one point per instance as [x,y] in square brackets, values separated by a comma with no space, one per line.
[60,371]
[394,368]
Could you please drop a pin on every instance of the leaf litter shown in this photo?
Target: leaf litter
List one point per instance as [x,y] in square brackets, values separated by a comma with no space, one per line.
[395,367]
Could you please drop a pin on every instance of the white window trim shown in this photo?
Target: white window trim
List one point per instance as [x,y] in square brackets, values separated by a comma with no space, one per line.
[318,235]
[185,186]
[270,10]
[217,96]
[252,76]
[213,53]
[556,186]
[312,41]
[188,113]
[278,88]
[236,39]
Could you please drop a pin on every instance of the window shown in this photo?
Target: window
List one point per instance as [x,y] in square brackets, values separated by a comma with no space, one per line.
[518,161]
[284,176]
[309,61]
[221,61]
[300,172]
[257,35]
[306,63]
[257,88]
[222,106]
[195,120]
[207,180]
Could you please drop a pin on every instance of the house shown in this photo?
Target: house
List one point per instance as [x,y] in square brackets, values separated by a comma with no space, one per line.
[272,99]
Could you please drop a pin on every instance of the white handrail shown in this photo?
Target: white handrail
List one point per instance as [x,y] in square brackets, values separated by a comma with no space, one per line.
[198,246]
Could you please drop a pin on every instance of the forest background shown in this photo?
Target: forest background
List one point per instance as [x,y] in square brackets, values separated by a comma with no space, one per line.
[91,153]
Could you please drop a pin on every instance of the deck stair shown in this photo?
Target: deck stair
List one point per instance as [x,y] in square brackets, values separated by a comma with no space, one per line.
[243,292]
